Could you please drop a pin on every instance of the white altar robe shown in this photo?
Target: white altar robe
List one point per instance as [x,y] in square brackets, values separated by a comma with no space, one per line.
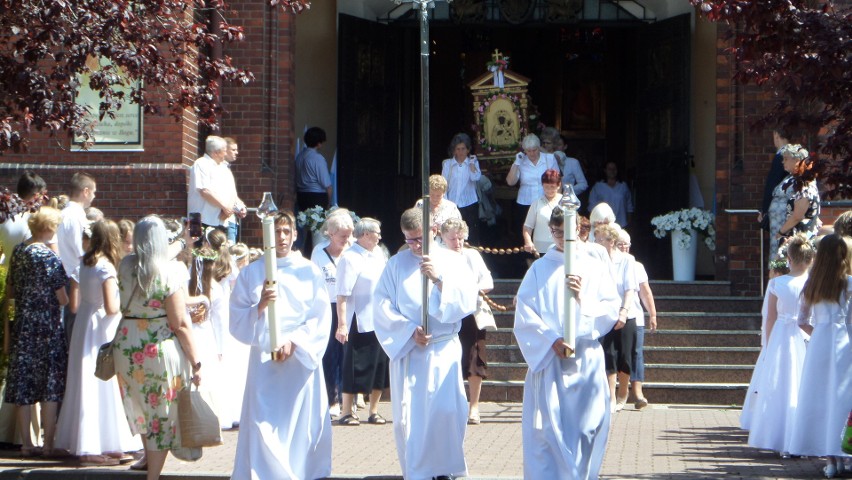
[427,391]
[285,429]
[566,413]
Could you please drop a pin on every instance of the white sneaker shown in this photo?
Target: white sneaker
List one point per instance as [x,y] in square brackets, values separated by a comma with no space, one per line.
[359,401]
[829,471]
[334,410]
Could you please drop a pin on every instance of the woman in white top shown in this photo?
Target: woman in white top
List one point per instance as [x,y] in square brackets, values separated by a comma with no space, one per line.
[527,169]
[619,344]
[536,233]
[462,173]
[365,363]
[825,392]
[338,228]
[474,364]
[441,209]
[775,382]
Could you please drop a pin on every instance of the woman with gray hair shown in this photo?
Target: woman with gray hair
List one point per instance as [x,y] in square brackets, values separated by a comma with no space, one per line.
[365,364]
[462,173]
[473,362]
[572,171]
[155,351]
[338,228]
[528,167]
[795,201]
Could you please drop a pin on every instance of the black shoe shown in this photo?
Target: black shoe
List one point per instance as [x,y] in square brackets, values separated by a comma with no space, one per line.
[443,477]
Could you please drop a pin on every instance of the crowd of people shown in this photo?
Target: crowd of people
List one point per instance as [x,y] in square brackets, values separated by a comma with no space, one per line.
[351,320]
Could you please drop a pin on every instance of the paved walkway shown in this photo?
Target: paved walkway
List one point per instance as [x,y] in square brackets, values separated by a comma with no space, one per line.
[661,442]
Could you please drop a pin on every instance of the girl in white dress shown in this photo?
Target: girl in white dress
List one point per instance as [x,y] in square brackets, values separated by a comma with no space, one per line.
[775,382]
[92,423]
[825,394]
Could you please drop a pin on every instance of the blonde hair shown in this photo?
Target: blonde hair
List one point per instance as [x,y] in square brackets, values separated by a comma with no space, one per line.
[46,219]
[437,182]
[608,231]
[833,263]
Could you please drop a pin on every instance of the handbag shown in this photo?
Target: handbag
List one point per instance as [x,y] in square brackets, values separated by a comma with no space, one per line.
[199,425]
[105,361]
[484,316]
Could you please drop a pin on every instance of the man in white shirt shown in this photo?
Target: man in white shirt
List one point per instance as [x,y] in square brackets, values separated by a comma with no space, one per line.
[212,190]
[231,153]
[69,235]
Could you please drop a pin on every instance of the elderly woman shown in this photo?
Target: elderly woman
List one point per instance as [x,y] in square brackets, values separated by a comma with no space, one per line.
[572,172]
[441,208]
[155,352]
[338,228]
[536,233]
[620,345]
[527,169]
[365,364]
[38,356]
[462,173]
[602,214]
[795,201]
[473,362]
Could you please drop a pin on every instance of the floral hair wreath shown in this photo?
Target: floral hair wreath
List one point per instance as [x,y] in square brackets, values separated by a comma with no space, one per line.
[198,254]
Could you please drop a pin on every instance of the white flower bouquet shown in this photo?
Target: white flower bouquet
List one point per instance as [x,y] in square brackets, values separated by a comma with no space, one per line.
[314,217]
[684,221]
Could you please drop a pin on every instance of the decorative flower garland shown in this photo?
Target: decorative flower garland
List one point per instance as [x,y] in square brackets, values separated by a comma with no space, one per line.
[480,125]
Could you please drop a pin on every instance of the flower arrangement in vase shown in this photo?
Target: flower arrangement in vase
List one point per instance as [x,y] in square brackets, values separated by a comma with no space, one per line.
[684,221]
[314,217]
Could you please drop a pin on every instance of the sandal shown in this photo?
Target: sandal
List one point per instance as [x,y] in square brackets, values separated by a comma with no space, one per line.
[349,420]
[377,419]
[640,404]
[98,461]
[141,464]
[473,418]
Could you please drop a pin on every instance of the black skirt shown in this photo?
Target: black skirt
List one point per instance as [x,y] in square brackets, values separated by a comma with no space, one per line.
[472,339]
[365,363]
[619,348]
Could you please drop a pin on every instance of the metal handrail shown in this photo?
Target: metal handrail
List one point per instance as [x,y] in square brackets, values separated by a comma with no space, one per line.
[752,211]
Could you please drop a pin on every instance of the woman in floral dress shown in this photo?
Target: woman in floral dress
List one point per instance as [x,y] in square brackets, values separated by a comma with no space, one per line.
[38,356]
[155,355]
[795,201]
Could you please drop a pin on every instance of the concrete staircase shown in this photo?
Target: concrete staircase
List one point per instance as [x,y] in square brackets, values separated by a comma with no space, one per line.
[703,352]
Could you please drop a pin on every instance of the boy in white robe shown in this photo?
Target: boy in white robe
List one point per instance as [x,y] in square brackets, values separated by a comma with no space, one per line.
[566,414]
[427,392]
[285,429]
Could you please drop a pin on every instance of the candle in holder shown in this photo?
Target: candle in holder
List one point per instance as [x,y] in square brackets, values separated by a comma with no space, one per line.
[266,212]
[569,205]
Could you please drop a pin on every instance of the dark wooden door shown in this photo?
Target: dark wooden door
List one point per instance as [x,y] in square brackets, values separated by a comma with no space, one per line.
[375,165]
[662,162]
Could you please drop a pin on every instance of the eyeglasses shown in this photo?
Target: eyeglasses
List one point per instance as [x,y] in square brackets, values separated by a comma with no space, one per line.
[557,232]
[412,241]
[623,244]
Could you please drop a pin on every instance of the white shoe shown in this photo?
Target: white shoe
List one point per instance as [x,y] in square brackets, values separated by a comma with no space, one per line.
[829,471]
[334,410]
[359,401]
[619,406]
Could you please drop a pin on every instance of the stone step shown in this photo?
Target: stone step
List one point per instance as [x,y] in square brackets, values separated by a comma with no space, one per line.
[657,392]
[674,373]
[703,338]
[702,355]
[705,288]
[682,303]
[708,321]
[509,286]
[501,336]
[508,370]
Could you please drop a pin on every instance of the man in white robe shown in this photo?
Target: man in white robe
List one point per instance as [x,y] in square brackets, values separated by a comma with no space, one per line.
[427,392]
[285,428]
[566,414]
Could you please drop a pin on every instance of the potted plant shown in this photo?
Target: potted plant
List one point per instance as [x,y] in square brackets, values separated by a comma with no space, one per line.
[685,225]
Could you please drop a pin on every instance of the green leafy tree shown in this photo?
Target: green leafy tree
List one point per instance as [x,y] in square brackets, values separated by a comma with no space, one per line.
[800,51]
[158,50]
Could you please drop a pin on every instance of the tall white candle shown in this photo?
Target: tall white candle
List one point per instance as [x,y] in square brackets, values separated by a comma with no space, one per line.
[570,238]
[269,258]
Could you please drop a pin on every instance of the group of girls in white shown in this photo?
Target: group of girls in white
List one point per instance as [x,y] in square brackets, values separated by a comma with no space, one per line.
[800,394]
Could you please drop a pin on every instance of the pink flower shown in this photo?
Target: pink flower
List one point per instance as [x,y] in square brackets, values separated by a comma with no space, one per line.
[151,350]
[124,331]
[155,425]
[138,358]
[140,420]
[171,394]
[154,303]
[153,399]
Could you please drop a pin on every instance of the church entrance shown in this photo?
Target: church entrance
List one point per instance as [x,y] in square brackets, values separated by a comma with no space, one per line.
[618,91]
